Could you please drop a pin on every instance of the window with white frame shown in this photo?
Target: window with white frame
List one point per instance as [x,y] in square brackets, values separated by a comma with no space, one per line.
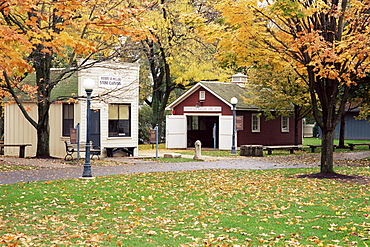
[202,95]
[68,118]
[255,123]
[119,120]
[284,124]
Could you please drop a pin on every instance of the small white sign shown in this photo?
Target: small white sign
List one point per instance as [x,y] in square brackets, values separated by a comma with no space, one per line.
[110,81]
[203,108]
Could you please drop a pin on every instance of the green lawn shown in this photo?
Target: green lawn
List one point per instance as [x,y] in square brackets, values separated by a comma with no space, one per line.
[317,141]
[197,208]
[226,153]
[306,142]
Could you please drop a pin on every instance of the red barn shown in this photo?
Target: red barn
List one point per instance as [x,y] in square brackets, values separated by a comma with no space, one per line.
[205,113]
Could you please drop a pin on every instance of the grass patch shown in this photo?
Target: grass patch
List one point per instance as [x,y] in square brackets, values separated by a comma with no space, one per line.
[226,153]
[152,146]
[317,141]
[216,153]
[197,208]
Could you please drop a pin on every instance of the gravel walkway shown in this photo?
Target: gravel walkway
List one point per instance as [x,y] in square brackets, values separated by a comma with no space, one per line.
[53,169]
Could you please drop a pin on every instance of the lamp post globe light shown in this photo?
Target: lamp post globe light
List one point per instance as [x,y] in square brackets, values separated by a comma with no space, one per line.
[233,102]
[88,84]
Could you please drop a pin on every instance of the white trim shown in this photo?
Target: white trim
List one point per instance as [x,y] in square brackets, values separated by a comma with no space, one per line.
[217,96]
[203,108]
[191,91]
[258,123]
[183,97]
[203,114]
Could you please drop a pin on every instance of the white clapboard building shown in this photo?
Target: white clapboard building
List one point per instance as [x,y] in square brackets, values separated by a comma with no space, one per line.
[114,112]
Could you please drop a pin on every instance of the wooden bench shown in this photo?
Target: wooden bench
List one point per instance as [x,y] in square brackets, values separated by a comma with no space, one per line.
[113,150]
[22,148]
[291,148]
[72,148]
[352,145]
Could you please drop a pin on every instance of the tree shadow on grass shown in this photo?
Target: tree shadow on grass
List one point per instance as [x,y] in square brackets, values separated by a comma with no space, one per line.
[338,177]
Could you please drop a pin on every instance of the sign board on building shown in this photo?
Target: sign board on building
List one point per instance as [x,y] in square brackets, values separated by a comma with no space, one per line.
[73,135]
[203,108]
[239,122]
[110,81]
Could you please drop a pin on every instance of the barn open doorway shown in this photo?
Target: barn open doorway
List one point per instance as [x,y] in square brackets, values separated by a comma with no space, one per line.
[202,128]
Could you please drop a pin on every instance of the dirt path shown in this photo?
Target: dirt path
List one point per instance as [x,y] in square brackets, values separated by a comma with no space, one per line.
[56,169]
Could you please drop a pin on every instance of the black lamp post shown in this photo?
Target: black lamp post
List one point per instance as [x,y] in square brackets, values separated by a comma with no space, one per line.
[233,102]
[88,84]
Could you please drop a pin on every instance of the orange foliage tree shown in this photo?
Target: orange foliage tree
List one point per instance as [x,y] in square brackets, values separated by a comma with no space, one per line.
[326,42]
[36,36]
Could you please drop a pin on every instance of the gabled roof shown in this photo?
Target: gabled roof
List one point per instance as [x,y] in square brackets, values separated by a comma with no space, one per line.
[222,90]
[63,90]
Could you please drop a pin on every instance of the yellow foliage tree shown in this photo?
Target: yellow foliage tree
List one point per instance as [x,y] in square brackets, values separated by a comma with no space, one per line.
[174,50]
[327,42]
[38,35]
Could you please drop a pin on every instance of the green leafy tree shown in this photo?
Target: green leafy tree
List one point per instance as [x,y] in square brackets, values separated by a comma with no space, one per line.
[280,91]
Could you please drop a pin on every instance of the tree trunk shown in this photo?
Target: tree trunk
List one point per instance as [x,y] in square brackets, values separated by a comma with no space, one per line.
[327,161]
[296,131]
[42,64]
[296,127]
[342,131]
[158,113]
[43,131]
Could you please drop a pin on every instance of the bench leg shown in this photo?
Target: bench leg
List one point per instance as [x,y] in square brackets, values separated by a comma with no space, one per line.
[131,152]
[351,147]
[109,152]
[269,151]
[94,154]
[70,155]
[291,151]
[22,150]
[313,149]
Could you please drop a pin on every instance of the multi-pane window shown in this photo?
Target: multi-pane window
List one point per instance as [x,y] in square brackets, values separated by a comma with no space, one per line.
[68,119]
[119,120]
[284,124]
[202,95]
[255,123]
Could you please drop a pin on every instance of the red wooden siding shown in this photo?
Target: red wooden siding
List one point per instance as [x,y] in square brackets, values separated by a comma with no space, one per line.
[270,131]
[210,100]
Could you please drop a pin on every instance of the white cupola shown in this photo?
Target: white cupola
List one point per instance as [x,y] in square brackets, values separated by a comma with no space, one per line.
[239,78]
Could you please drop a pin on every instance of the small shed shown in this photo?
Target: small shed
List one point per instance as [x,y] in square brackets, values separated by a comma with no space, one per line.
[205,113]
[114,111]
[355,129]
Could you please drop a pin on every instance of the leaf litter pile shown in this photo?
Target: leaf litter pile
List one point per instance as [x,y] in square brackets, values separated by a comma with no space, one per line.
[11,166]
[198,208]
